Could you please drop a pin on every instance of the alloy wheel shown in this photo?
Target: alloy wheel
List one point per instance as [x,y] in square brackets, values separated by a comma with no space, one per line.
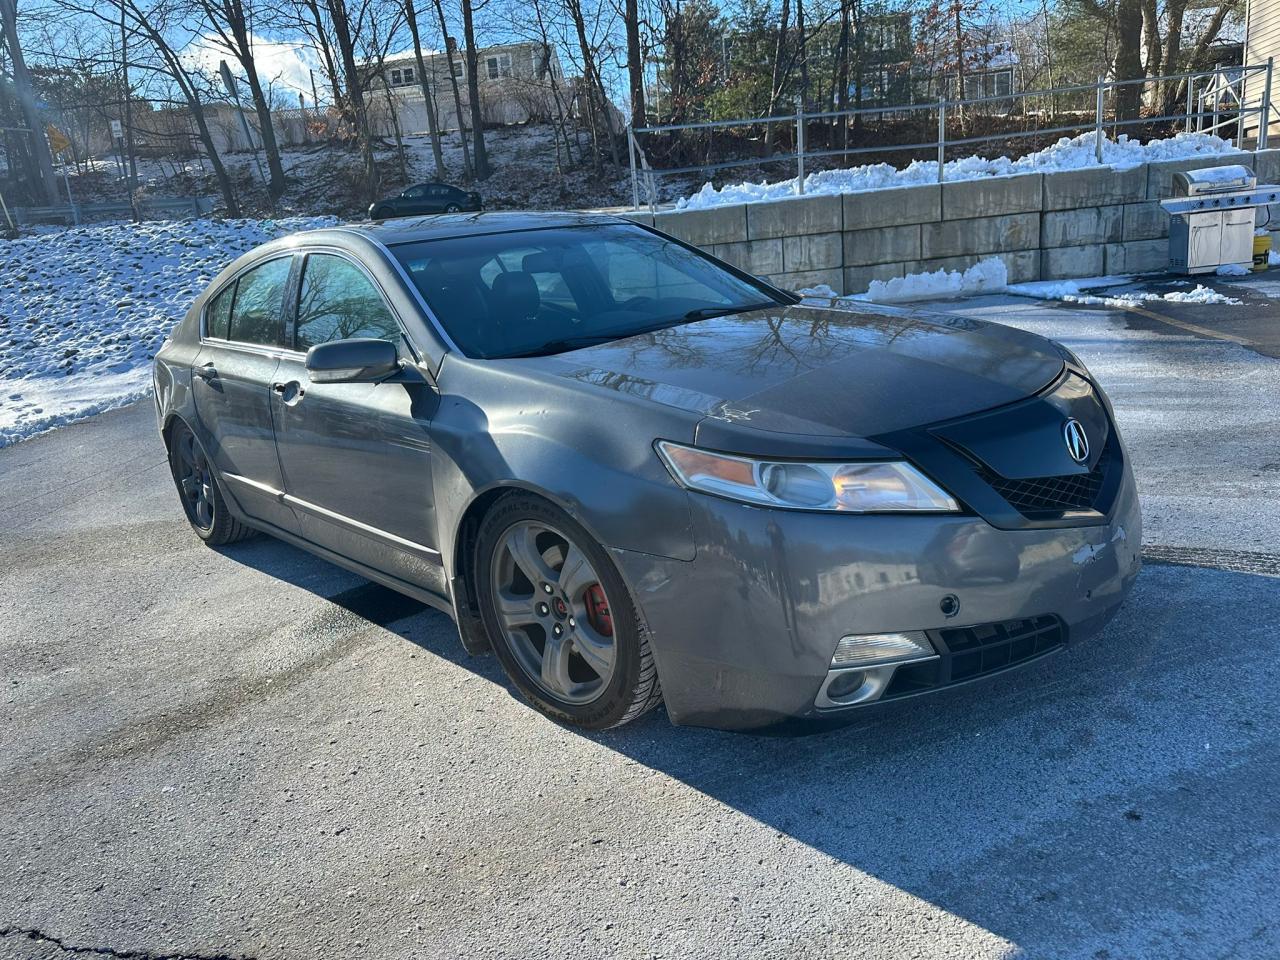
[553,612]
[195,481]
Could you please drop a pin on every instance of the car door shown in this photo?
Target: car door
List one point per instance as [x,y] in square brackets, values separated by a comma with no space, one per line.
[414,200]
[356,457]
[241,346]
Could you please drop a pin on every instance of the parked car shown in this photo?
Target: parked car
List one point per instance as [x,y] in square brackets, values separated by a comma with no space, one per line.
[425,198]
[637,473]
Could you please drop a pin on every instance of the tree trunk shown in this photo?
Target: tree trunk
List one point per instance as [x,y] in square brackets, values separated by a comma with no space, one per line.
[355,94]
[804,55]
[842,73]
[243,50]
[38,146]
[450,48]
[1128,63]
[480,157]
[779,54]
[635,63]
[433,125]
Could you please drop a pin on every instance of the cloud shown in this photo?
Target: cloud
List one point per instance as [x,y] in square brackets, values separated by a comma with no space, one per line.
[284,67]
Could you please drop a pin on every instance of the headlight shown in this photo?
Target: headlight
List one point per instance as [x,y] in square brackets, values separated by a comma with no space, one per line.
[881,487]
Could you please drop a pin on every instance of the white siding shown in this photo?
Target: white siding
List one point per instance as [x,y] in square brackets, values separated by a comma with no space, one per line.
[1263,43]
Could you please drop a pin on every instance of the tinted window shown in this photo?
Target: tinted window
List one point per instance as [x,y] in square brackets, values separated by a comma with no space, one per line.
[218,313]
[337,302]
[257,316]
[545,291]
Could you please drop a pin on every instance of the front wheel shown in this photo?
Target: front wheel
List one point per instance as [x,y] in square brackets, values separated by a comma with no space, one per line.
[452,208]
[560,617]
[198,488]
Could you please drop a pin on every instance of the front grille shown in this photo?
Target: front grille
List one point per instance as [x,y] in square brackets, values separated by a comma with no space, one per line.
[1038,498]
[969,652]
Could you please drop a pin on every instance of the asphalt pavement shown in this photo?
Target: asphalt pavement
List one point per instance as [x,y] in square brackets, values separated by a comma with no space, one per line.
[248,753]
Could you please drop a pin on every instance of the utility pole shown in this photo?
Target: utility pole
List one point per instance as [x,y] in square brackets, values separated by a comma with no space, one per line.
[27,101]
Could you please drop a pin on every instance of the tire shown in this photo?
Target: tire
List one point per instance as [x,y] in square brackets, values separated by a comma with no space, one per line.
[200,491]
[381,213]
[452,208]
[584,601]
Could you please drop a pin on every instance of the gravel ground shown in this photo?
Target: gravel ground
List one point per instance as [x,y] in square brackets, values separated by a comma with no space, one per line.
[250,753]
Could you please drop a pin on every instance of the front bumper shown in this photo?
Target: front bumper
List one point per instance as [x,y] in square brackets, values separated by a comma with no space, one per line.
[744,633]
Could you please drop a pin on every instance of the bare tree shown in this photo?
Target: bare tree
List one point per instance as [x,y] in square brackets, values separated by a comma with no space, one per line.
[450,51]
[433,125]
[39,147]
[479,156]
[229,21]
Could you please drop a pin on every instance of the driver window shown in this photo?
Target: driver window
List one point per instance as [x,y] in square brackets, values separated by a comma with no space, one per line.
[337,301]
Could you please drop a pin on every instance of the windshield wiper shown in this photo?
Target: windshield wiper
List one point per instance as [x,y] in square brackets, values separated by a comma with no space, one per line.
[589,340]
[706,313]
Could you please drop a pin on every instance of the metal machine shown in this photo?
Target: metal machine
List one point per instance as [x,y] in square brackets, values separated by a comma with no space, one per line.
[1213,213]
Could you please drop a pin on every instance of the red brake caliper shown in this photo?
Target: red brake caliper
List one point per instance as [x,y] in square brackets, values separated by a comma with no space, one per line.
[598,614]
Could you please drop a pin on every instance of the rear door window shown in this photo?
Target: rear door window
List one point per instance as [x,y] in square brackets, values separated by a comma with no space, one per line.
[217,315]
[337,301]
[257,316]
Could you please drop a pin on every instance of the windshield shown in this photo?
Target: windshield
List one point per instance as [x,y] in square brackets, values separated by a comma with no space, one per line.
[545,291]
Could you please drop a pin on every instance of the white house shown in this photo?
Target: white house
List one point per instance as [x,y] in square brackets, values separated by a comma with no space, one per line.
[1262,43]
[518,82]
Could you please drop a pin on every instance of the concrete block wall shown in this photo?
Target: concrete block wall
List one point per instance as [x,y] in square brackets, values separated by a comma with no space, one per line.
[1044,226]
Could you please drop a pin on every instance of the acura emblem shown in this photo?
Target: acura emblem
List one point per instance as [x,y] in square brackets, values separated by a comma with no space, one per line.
[1077,442]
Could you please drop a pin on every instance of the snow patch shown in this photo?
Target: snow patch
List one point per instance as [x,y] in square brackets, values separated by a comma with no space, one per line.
[1232,270]
[986,276]
[1069,153]
[83,311]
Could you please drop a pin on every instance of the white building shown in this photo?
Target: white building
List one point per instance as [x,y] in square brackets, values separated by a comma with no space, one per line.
[518,82]
[1262,43]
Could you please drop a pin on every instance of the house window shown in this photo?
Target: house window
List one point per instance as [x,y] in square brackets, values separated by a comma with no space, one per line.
[498,66]
[395,78]
[458,69]
[402,77]
[407,73]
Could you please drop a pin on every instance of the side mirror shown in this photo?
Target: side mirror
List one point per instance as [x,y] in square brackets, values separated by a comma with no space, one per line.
[352,361]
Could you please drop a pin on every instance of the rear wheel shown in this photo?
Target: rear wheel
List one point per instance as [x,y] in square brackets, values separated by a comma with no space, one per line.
[380,213]
[560,618]
[199,491]
[452,208]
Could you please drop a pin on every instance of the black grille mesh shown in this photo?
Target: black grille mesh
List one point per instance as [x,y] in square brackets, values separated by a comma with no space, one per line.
[969,652]
[1041,496]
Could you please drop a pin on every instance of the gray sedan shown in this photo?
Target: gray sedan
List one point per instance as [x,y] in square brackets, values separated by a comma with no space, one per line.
[637,474]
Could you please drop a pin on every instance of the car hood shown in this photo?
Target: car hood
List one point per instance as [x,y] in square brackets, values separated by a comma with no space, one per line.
[816,371]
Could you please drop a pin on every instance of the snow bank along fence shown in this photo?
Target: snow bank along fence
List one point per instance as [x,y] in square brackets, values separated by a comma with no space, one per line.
[150,208]
[1044,226]
[1229,102]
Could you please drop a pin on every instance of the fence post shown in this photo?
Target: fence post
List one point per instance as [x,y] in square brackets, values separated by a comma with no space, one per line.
[942,138]
[1191,89]
[799,146]
[1264,120]
[631,157]
[1097,120]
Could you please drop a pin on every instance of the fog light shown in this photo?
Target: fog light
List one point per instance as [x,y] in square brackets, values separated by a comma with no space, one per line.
[872,648]
[845,683]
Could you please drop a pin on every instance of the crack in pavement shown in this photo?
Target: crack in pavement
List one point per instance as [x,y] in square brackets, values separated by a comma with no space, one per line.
[39,936]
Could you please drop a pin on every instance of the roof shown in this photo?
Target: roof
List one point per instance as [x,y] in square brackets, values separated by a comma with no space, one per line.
[439,226]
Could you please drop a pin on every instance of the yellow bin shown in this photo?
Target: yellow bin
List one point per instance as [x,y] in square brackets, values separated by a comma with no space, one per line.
[1261,251]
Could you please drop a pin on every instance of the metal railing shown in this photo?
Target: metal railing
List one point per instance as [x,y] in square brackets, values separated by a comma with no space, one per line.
[80,212]
[1217,101]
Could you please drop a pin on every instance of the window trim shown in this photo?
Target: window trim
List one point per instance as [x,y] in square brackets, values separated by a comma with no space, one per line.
[415,353]
[206,339]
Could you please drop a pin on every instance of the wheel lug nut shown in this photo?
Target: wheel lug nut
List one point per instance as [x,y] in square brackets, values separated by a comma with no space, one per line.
[543,609]
[557,630]
[572,622]
[546,588]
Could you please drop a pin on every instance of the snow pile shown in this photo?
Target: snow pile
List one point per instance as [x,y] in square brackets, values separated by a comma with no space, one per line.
[986,276]
[1072,291]
[1232,270]
[83,311]
[1069,153]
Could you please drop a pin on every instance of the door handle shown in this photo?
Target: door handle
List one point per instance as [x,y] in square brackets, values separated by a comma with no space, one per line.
[207,372]
[282,388]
